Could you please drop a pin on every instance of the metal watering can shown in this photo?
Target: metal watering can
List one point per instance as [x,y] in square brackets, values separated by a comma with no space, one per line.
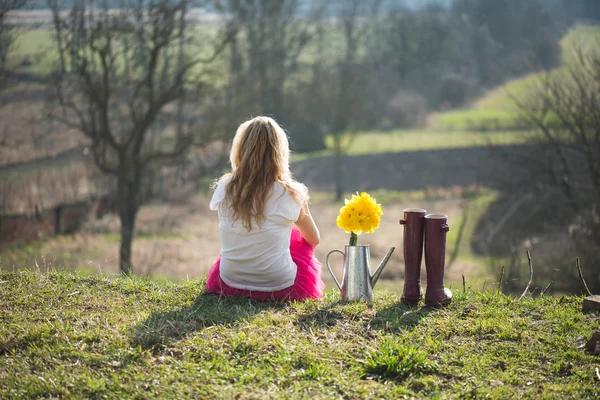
[358,282]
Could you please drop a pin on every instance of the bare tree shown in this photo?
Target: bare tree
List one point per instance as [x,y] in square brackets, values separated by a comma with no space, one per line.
[274,37]
[564,109]
[346,103]
[8,34]
[121,90]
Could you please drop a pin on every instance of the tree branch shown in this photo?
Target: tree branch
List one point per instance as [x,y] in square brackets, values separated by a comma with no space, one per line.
[585,286]
[530,276]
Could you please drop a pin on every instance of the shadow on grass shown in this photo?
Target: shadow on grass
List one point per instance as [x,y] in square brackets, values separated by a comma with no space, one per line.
[163,327]
[394,318]
[324,317]
[398,317]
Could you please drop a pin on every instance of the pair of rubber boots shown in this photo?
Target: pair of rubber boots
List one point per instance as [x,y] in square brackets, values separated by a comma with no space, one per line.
[431,229]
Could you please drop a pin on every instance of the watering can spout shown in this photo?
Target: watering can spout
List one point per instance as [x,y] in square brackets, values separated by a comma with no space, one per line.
[379,269]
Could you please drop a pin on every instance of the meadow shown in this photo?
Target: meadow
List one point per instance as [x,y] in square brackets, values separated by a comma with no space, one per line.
[178,240]
[406,140]
[72,326]
[497,109]
[66,334]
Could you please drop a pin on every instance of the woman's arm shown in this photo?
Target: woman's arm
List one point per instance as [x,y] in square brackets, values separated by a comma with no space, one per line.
[307,226]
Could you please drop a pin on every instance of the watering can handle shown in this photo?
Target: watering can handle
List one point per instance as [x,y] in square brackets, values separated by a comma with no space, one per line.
[329,267]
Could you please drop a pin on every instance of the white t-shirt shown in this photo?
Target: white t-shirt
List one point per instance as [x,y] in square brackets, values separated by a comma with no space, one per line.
[258,259]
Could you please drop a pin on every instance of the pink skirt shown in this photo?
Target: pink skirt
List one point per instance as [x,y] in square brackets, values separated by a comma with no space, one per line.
[307,285]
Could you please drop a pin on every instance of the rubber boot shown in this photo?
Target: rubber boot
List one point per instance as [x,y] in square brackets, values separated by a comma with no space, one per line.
[414,220]
[436,227]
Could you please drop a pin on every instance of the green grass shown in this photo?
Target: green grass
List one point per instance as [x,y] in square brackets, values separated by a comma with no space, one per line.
[39,48]
[414,140]
[68,335]
[497,110]
[477,120]
[51,251]
[475,206]
[584,37]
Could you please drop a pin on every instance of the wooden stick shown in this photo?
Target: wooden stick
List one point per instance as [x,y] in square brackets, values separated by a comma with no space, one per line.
[585,286]
[464,284]
[547,287]
[530,276]
[501,280]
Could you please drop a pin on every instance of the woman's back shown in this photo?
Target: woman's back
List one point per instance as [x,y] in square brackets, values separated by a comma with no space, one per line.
[259,258]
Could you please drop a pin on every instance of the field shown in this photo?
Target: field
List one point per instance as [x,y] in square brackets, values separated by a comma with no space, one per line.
[497,109]
[180,241]
[448,168]
[413,140]
[72,326]
[71,335]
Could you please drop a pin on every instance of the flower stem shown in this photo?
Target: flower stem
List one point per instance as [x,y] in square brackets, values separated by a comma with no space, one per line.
[353,239]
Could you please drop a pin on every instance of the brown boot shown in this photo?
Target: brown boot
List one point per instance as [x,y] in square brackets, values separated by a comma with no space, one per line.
[436,226]
[413,254]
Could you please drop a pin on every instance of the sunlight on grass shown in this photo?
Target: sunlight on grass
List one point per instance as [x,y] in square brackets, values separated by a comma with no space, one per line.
[67,335]
[497,109]
[415,140]
[477,120]
[398,361]
[36,51]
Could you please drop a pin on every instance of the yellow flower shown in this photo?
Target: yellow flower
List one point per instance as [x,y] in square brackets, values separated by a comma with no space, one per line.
[360,214]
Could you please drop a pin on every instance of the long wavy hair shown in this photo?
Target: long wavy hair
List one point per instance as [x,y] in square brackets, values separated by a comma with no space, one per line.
[259,157]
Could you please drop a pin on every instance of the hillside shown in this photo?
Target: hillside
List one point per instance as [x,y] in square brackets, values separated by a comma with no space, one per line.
[69,335]
[496,110]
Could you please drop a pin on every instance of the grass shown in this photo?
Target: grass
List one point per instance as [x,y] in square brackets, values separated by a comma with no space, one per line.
[36,50]
[414,140]
[475,206]
[497,110]
[477,120]
[115,237]
[69,335]
[55,251]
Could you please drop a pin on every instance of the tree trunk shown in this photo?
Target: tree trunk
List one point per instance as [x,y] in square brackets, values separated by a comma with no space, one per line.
[54,6]
[337,167]
[127,230]
[128,208]
[181,35]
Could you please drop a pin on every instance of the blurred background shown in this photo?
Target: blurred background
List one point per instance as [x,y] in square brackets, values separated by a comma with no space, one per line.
[116,117]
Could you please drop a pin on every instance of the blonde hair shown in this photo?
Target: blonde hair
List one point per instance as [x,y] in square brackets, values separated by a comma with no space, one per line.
[259,157]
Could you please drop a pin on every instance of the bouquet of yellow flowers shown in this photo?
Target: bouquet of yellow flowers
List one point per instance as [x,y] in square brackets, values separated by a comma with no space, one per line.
[359,214]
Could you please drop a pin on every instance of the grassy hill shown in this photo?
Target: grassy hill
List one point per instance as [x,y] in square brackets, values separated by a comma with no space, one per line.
[496,110]
[69,335]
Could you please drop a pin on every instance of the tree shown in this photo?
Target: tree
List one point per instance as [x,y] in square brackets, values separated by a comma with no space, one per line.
[7,34]
[274,38]
[125,85]
[564,109]
[346,103]
[525,30]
